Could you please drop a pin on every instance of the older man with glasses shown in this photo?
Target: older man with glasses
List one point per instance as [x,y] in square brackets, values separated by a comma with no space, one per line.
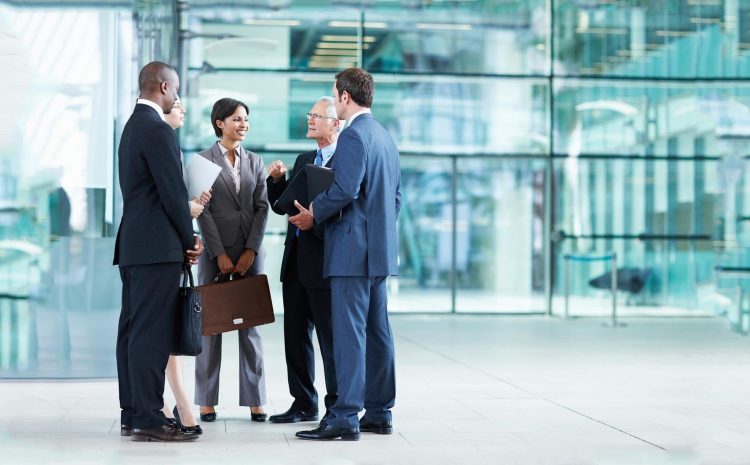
[307,295]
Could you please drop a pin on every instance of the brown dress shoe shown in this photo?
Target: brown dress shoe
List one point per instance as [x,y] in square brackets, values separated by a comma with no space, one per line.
[164,433]
[126,430]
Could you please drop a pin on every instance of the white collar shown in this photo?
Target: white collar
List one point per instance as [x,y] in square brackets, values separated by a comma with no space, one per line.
[360,112]
[153,105]
[224,150]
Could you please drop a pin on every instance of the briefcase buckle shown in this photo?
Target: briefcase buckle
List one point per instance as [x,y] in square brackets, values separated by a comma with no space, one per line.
[238,321]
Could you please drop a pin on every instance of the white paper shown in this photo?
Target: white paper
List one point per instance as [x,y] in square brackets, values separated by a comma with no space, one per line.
[201,174]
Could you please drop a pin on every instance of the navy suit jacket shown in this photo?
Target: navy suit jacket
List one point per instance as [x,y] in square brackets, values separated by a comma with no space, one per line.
[156,225]
[309,244]
[362,240]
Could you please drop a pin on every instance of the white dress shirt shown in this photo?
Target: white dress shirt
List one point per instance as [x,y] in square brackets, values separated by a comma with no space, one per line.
[153,105]
[233,170]
[354,116]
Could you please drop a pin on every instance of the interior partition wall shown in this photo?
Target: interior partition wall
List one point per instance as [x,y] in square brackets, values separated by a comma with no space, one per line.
[529,131]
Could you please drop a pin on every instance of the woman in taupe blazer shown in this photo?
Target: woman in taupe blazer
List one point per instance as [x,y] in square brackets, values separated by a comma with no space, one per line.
[232,226]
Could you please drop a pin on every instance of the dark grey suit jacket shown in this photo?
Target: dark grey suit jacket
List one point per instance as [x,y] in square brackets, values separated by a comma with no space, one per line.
[229,216]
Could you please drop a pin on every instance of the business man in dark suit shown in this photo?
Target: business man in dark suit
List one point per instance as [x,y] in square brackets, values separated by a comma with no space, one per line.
[154,240]
[359,213]
[307,295]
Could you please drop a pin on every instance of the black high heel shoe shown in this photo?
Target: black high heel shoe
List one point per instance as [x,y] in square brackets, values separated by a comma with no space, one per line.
[186,429]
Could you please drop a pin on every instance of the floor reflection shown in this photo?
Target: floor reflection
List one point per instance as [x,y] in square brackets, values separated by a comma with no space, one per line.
[59,310]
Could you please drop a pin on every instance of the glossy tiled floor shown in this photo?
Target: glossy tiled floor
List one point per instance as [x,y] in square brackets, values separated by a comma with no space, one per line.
[471,390]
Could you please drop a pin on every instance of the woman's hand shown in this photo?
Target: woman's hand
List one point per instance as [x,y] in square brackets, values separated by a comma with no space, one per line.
[196,209]
[225,264]
[205,197]
[245,262]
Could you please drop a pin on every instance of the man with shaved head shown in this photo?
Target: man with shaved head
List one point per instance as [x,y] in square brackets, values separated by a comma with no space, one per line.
[154,240]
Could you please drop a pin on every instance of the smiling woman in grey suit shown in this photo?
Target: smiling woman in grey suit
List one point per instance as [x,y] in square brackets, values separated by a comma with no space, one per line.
[232,226]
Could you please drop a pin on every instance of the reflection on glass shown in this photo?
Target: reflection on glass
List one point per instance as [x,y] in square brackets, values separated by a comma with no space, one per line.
[425,237]
[691,39]
[635,118]
[499,243]
[635,208]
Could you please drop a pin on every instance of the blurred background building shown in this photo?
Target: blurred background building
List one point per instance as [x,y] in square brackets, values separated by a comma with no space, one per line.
[529,130]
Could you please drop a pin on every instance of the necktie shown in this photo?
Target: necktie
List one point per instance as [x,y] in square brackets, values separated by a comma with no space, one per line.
[318,162]
[319,158]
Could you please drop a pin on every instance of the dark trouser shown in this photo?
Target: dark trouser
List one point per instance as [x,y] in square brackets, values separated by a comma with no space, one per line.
[363,350]
[144,340]
[305,308]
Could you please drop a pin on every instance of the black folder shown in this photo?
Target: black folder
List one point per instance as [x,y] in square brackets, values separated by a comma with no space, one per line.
[304,187]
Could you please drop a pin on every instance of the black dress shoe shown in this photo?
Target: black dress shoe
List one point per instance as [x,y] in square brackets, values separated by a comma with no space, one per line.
[163,433]
[172,422]
[259,417]
[377,427]
[328,432]
[208,417]
[186,429]
[294,415]
[126,430]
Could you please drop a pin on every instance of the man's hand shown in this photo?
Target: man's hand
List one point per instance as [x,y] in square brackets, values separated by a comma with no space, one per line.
[225,264]
[304,219]
[245,262]
[205,197]
[277,170]
[192,255]
[196,209]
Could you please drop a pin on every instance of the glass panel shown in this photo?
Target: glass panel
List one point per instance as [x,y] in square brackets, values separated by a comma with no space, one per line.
[67,73]
[425,237]
[637,118]
[671,38]
[443,115]
[642,203]
[499,235]
[475,37]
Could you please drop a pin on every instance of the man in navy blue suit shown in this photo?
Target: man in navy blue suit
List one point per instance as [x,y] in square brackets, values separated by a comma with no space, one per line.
[358,213]
[154,239]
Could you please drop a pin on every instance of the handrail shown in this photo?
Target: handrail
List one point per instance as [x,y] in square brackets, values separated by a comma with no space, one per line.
[559,236]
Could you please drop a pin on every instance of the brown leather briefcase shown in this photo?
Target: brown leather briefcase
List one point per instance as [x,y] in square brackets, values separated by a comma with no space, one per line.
[237,304]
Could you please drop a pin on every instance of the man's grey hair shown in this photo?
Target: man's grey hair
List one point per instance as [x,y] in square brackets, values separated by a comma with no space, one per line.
[331,109]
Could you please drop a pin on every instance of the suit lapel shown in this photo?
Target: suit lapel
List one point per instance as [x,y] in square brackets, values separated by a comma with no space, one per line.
[218,158]
[244,171]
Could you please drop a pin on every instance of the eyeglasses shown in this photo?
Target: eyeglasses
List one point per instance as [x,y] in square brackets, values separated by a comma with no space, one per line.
[318,117]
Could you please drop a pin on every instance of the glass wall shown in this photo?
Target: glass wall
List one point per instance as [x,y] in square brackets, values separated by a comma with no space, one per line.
[529,130]
[69,75]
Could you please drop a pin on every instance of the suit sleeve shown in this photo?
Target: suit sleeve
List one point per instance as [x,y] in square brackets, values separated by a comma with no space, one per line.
[350,164]
[275,189]
[162,154]
[210,232]
[260,209]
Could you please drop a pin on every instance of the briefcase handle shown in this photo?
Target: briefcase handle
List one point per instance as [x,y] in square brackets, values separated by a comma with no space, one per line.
[187,275]
[224,277]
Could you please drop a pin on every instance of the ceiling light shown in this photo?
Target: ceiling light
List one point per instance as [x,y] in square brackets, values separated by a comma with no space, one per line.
[347,53]
[338,45]
[367,24]
[328,38]
[444,26]
[663,33]
[705,20]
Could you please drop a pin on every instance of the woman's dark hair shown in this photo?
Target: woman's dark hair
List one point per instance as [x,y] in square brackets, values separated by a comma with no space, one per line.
[358,83]
[223,109]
